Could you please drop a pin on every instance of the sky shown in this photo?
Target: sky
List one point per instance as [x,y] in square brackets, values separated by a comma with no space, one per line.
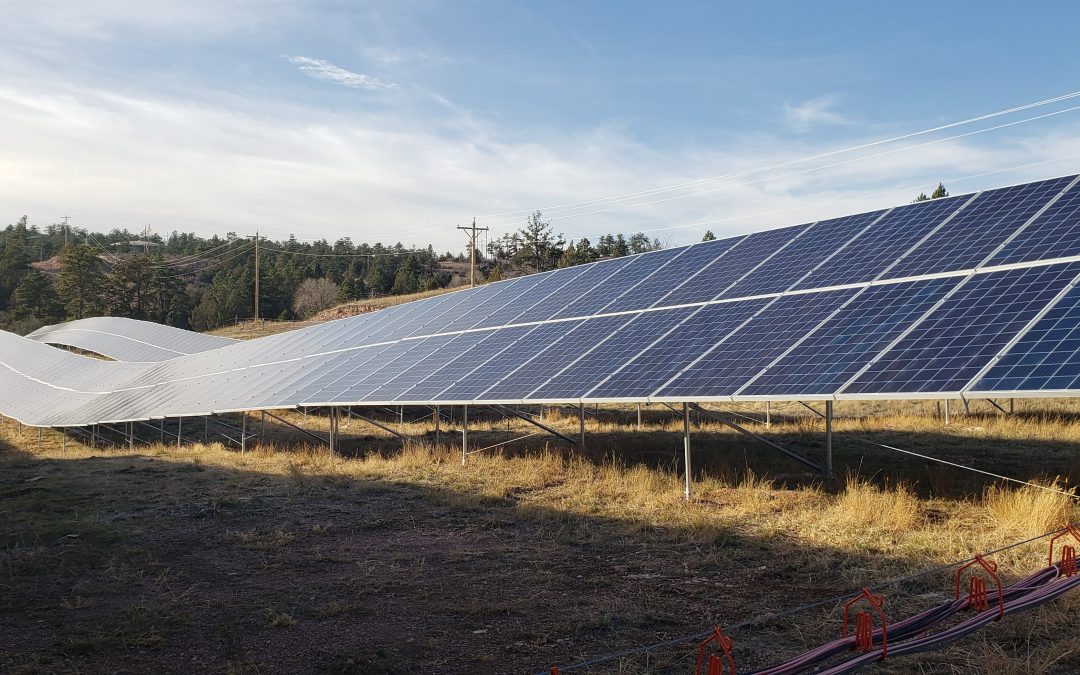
[397,121]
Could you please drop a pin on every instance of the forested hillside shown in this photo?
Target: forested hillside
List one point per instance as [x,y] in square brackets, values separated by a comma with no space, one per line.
[53,273]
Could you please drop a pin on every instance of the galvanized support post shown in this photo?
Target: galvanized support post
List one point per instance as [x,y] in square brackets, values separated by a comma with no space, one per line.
[1012,406]
[401,418]
[93,436]
[438,427]
[333,430]
[243,433]
[464,433]
[206,430]
[162,430]
[39,438]
[828,440]
[639,417]
[179,431]
[262,428]
[131,435]
[768,414]
[688,490]
[946,412]
[581,417]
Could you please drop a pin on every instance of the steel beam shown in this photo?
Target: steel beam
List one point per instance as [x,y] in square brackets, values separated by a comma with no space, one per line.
[760,439]
[377,424]
[828,440]
[287,423]
[688,488]
[464,433]
[520,415]
[581,413]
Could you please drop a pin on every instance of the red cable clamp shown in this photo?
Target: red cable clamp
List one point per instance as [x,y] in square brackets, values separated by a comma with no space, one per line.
[554,670]
[716,664]
[978,596]
[864,622]
[1067,566]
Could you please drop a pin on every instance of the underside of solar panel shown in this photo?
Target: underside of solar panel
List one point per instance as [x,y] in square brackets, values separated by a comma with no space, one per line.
[967,296]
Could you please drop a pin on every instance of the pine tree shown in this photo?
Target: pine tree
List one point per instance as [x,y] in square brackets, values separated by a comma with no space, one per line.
[36,297]
[81,281]
[709,236]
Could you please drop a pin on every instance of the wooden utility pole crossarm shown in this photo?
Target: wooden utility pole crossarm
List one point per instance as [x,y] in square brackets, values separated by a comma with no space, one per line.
[472,231]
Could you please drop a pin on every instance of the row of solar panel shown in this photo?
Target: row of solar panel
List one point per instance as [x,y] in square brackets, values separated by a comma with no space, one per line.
[920,337]
[996,227]
[124,339]
[798,345]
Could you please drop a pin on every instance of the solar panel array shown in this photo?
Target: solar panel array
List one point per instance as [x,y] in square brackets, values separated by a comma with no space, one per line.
[123,339]
[966,295]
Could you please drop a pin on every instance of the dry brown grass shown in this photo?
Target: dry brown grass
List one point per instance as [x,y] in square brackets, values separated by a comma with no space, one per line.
[867,531]
[1028,511]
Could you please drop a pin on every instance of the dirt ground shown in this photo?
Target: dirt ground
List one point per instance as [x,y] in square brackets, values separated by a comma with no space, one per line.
[126,561]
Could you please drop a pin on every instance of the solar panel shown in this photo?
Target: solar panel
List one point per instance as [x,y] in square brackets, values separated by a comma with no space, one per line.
[536,370]
[657,362]
[884,243]
[1046,358]
[950,346]
[931,297]
[723,370]
[976,231]
[579,375]
[718,276]
[1054,234]
[693,261]
[804,254]
[469,387]
[836,350]
[131,340]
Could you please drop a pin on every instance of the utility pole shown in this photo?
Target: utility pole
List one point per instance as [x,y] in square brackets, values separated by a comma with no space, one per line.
[65,219]
[471,231]
[256,276]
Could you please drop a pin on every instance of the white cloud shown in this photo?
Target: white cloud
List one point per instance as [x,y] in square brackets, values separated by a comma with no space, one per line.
[324,70]
[813,113]
[227,162]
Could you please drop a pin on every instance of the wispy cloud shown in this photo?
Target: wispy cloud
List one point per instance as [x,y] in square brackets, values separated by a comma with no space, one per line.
[324,70]
[813,113]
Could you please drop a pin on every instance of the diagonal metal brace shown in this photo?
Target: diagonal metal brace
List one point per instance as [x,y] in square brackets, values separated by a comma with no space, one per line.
[376,424]
[510,411]
[742,430]
[290,424]
[812,409]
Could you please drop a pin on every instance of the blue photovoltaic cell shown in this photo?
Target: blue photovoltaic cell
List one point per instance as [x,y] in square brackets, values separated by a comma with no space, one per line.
[802,255]
[605,358]
[655,365]
[479,307]
[593,276]
[362,385]
[440,351]
[469,387]
[1046,358]
[840,347]
[550,282]
[491,344]
[881,245]
[1054,234]
[679,270]
[742,356]
[966,240]
[622,282]
[727,270]
[548,361]
[948,349]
